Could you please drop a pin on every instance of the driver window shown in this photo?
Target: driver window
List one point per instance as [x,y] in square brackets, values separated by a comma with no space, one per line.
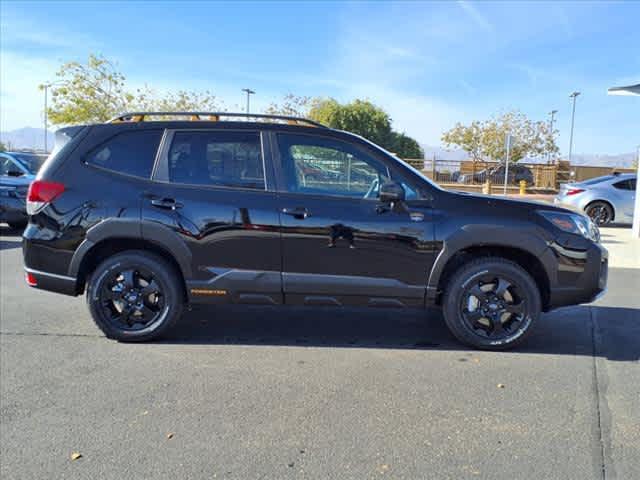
[328,167]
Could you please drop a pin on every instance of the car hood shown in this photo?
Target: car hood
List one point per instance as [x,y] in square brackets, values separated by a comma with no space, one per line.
[507,203]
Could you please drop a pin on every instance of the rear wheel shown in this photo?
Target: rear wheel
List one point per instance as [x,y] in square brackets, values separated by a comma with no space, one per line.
[600,213]
[134,296]
[491,303]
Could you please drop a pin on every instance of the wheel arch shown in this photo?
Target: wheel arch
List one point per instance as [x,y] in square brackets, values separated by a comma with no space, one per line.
[118,235]
[521,256]
[112,246]
[600,200]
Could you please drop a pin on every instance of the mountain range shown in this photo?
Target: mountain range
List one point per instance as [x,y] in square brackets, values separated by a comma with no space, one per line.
[33,139]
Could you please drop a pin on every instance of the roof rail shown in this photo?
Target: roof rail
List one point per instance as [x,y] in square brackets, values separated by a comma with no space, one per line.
[213,116]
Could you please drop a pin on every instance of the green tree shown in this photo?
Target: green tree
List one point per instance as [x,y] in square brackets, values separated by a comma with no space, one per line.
[487,139]
[3,147]
[96,91]
[367,120]
[466,137]
[405,146]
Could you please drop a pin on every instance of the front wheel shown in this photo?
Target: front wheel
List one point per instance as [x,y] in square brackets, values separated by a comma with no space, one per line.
[491,303]
[134,296]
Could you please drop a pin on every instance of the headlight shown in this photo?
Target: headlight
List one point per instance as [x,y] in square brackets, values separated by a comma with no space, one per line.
[573,223]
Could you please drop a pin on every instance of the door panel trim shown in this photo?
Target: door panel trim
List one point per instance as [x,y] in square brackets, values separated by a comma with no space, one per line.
[324,284]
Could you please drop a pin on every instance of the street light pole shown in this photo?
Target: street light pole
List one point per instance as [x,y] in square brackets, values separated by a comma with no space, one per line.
[552,113]
[249,92]
[46,88]
[574,95]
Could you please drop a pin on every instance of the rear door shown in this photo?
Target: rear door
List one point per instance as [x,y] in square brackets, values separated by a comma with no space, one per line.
[214,190]
[340,245]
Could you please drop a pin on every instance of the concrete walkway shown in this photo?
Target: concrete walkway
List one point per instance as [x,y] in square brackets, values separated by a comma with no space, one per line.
[624,251]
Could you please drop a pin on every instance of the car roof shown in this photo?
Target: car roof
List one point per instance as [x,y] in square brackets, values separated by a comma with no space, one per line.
[228,125]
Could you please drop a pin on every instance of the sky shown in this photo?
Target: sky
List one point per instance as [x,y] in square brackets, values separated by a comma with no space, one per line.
[428,64]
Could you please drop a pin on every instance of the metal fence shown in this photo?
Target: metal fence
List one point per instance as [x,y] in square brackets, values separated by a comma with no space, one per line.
[539,177]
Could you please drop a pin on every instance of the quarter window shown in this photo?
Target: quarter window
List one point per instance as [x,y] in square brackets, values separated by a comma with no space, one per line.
[131,153]
[328,167]
[217,158]
[626,184]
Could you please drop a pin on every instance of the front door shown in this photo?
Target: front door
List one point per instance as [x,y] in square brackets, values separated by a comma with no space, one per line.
[340,244]
[214,193]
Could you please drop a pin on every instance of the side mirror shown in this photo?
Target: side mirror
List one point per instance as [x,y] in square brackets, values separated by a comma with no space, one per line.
[391,192]
[15,173]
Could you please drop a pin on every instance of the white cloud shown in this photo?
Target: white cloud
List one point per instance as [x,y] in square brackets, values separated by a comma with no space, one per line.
[478,18]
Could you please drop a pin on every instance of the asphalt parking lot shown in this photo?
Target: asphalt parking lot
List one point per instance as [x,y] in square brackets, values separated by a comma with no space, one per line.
[249,393]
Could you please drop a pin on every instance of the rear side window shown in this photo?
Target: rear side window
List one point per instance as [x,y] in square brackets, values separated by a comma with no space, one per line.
[217,158]
[131,153]
[626,184]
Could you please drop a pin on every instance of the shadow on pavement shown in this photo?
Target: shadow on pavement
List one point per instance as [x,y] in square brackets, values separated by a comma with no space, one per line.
[568,331]
[8,243]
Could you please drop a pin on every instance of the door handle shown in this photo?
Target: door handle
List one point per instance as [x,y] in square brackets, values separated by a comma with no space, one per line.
[167,203]
[299,212]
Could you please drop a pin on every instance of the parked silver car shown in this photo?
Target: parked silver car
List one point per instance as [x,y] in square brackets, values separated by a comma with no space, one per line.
[605,199]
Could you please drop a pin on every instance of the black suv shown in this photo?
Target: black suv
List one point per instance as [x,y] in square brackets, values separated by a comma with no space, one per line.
[151,212]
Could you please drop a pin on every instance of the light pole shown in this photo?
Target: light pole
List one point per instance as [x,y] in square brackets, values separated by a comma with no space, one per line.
[552,113]
[249,92]
[574,95]
[45,87]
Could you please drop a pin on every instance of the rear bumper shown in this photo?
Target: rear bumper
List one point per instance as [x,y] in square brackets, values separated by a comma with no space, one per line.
[562,202]
[52,282]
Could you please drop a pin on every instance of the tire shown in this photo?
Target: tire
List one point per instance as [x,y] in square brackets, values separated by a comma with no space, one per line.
[502,289]
[18,225]
[135,287]
[599,212]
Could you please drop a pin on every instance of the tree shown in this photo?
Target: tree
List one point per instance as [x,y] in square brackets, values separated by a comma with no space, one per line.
[96,91]
[468,138]
[291,106]
[487,139]
[405,146]
[367,120]
[3,147]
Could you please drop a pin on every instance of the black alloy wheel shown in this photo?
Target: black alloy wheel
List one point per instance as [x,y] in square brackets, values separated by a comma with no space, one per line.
[491,303]
[131,299]
[600,213]
[135,296]
[492,306]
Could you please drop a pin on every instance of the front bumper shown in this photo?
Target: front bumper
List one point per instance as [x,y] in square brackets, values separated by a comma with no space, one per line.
[580,276]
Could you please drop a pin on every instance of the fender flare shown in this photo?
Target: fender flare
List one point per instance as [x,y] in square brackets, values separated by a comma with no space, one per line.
[132,228]
[484,236]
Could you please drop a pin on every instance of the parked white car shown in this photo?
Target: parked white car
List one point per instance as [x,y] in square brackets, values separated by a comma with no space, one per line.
[605,199]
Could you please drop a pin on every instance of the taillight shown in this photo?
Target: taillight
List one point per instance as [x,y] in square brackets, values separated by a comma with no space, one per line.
[31,279]
[573,191]
[41,193]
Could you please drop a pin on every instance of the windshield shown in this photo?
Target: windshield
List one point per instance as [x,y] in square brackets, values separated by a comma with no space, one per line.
[29,161]
[407,165]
